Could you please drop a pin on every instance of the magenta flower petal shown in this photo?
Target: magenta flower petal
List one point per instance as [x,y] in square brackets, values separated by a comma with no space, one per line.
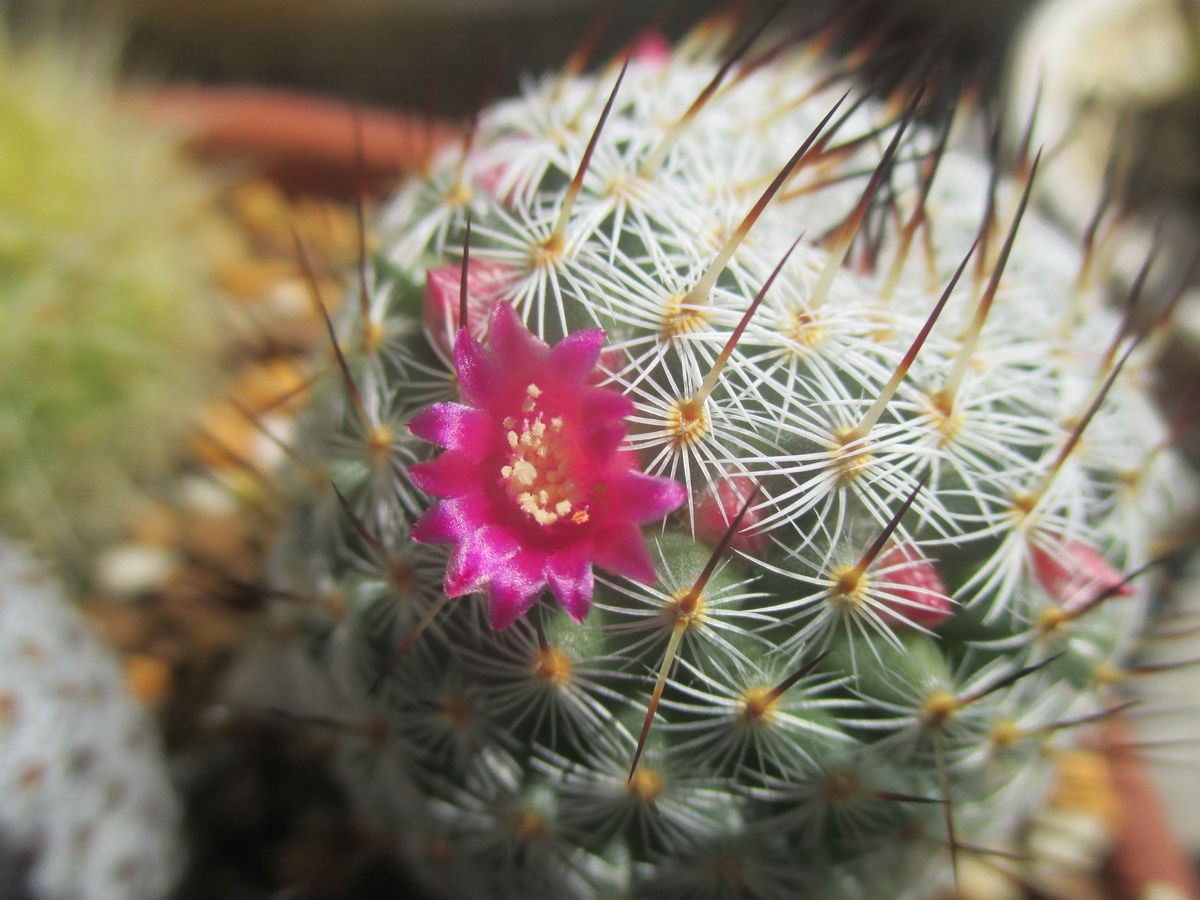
[449,521]
[644,498]
[574,358]
[510,340]
[569,574]
[622,551]
[452,474]
[475,371]
[478,558]
[515,590]
[534,486]
[604,411]
[601,405]
[455,427]
[604,441]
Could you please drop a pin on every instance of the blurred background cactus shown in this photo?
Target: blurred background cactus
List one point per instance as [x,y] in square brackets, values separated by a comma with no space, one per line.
[86,807]
[108,306]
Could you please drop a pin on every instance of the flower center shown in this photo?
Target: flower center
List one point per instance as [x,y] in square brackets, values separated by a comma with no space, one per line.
[538,473]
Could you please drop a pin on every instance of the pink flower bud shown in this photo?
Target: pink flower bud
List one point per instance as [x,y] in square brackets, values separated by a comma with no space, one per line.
[913,592]
[716,510]
[1075,574]
[651,48]
[492,181]
[486,282]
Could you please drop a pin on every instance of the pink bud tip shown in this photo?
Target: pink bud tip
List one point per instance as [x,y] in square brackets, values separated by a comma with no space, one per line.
[715,510]
[486,282]
[651,48]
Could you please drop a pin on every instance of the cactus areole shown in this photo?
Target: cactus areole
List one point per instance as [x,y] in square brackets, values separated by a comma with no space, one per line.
[786,473]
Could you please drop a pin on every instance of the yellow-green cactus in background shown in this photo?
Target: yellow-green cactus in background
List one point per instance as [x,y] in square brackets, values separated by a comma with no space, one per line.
[107,312]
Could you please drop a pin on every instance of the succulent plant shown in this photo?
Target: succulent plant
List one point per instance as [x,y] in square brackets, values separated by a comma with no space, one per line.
[86,807]
[726,486]
[107,300]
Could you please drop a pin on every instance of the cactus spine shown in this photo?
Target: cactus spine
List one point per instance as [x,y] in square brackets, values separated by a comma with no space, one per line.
[915,461]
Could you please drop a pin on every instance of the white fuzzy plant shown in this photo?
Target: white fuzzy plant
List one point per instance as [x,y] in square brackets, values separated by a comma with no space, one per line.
[910,448]
[86,806]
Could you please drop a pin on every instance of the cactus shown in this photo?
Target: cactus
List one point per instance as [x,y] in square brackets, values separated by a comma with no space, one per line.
[758,523]
[107,301]
[86,807]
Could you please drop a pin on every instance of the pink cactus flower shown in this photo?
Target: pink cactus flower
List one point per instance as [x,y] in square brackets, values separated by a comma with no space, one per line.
[443,289]
[1074,574]
[916,592]
[533,486]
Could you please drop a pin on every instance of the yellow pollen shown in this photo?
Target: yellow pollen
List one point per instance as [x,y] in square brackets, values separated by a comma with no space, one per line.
[533,390]
[537,474]
[938,709]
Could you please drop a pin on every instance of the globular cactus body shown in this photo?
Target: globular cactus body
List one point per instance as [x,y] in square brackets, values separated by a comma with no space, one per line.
[911,462]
